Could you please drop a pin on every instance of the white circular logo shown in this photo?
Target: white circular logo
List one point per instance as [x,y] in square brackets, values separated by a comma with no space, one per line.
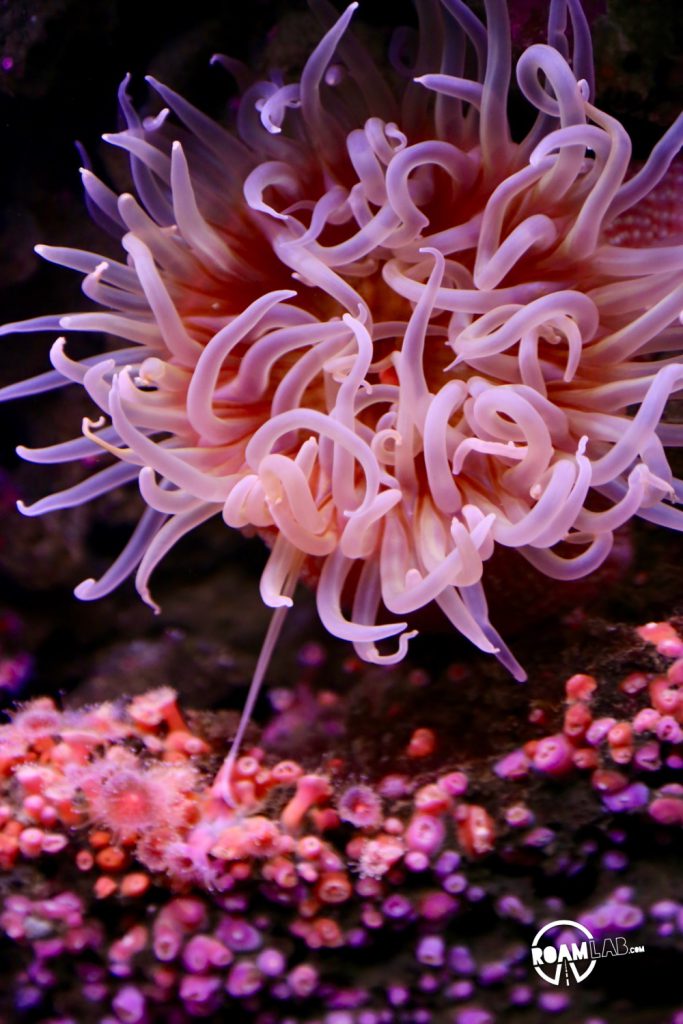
[576,954]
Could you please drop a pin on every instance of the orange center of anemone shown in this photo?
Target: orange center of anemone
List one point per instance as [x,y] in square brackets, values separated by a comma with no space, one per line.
[127,802]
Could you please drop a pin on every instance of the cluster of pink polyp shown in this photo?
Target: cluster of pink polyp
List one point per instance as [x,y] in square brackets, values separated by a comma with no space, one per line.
[605,746]
[169,906]
[369,324]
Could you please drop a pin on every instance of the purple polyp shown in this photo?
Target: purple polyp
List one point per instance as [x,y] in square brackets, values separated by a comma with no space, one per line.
[476,893]
[271,962]
[460,990]
[553,1002]
[455,884]
[539,837]
[27,997]
[521,995]
[360,806]
[669,730]
[648,757]
[425,834]
[199,990]
[513,766]
[303,980]
[597,730]
[238,936]
[437,905]
[129,1005]
[202,951]
[493,973]
[431,951]
[447,862]
[615,860]
[428,983]
[664,910]
[512,907]
[244,979]
[473,1015]
[628,917]
[629,799]
[416,860]
[397,907]
[461,961]
[398,995]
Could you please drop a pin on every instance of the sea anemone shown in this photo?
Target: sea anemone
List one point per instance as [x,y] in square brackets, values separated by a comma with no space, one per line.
[129,799]
[367,323]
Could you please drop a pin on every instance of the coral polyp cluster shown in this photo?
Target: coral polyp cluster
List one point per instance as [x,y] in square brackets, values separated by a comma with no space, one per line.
[166,905]
[373,326]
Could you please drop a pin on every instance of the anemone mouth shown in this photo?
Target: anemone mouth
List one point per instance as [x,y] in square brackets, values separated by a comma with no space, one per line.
[127,803]
[394,338]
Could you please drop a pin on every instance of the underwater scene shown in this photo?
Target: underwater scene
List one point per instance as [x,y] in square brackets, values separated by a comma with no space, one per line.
[341,512]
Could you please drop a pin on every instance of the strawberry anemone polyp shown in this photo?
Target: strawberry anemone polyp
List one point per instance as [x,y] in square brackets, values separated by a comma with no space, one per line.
[369,324]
